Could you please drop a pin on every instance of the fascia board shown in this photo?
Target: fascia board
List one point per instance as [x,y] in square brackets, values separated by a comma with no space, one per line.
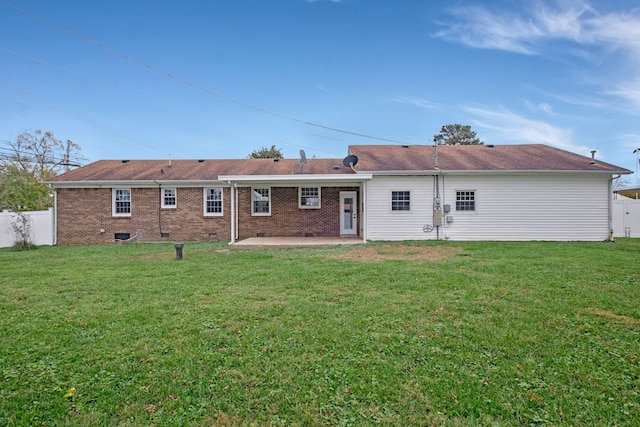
[492,172]
[268,179]
[135,184]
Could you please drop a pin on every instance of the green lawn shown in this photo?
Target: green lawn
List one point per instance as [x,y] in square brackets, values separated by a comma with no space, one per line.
[537,333]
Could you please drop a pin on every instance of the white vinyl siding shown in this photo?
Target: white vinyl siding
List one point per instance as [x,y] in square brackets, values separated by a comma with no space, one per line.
[561,206]
[383,223]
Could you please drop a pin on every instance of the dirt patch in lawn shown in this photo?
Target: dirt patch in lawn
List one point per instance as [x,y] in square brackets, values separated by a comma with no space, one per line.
[401,252]
[629,321]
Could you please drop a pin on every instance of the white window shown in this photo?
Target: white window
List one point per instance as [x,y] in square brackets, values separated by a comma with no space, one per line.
[309,197]
[465,200]
[261,201]
[121,201]
[400,201]
[169,198]
[213,201]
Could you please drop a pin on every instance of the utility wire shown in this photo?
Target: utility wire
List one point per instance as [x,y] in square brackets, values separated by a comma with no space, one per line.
[187,82]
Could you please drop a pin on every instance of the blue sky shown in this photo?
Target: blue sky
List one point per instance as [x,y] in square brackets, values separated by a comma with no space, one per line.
[219,79]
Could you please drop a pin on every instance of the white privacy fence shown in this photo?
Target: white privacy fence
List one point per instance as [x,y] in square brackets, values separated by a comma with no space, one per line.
[626,218]
[40,224]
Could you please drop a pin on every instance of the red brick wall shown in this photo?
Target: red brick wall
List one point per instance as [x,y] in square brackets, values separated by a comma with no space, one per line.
[83,213]
[287,219]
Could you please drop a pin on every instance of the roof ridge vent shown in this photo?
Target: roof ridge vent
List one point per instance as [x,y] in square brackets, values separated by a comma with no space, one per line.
[125,161]
[489,145]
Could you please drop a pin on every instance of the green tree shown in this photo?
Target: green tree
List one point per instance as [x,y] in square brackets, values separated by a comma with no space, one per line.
[34,157]
[266,153]
[457,134]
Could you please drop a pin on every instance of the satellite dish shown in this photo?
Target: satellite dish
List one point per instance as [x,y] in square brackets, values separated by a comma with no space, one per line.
[303,157]
[350,161]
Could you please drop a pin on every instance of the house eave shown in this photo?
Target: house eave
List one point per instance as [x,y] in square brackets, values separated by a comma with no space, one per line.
[431,172]
[135,183]
[290,179]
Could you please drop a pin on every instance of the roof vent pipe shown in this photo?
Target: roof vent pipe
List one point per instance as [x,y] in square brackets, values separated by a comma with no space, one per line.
[593,157]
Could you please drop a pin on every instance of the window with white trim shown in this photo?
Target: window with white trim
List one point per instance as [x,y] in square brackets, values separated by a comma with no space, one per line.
[400,201]
[169,197]
[213,201]
[261,201]
[309,197]
[121,198]
[465,200]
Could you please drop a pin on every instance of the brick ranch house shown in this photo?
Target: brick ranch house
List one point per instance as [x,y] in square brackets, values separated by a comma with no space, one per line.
[386,192]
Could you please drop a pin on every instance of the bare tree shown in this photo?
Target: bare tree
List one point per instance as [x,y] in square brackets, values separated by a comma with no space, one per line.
[34,157]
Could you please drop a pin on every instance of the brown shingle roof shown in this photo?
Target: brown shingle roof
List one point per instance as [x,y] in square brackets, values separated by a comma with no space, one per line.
[531,157]
[371,158]
[195,170]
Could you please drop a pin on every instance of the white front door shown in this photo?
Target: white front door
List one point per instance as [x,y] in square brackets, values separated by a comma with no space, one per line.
[348,213]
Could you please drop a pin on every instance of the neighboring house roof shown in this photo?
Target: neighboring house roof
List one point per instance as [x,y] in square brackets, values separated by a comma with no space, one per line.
[475,158]
[195,170]
[629,192]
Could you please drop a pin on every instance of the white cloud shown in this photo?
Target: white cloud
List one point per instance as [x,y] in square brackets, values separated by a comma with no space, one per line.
[418,102]
[629,91]
[480,28]
[545,107]
[511,128]
[573,21]
[574,28]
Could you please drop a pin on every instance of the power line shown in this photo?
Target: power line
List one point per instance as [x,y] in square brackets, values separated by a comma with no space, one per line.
[187,82]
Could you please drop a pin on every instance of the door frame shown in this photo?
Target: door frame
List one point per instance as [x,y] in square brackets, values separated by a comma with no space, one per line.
[352,231]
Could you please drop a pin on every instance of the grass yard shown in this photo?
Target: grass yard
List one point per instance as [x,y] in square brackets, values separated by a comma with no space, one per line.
[421,334]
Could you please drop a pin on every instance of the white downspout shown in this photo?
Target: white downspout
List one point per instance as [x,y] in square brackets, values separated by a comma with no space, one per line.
[55,216]
[364,215]
[232,208]
[235,186]
[610,208]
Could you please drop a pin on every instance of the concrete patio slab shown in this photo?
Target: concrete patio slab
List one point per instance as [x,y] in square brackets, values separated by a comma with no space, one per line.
[294,242]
